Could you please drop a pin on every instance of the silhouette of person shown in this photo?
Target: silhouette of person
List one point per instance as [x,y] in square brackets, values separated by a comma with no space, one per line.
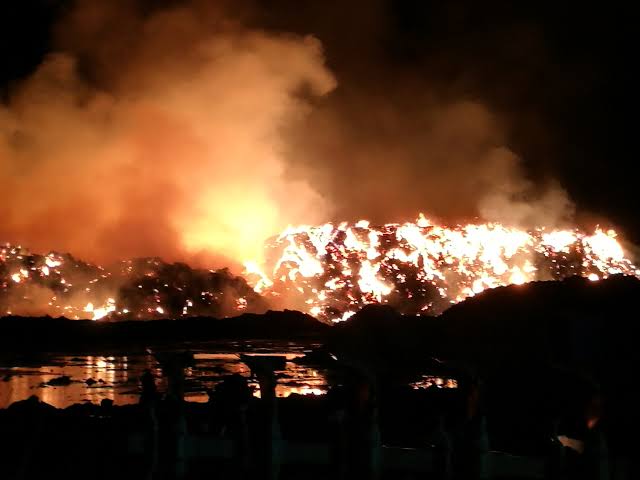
[228,407]
[148,402]
[149,393]
[355,412]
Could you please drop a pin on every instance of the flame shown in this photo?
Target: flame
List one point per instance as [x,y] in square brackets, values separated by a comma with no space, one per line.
[329,271]
[424,267]
[101,312]
[57,284]
[252,215]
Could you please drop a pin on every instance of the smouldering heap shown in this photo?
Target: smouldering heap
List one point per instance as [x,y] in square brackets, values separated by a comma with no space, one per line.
[422,268]
[59,285]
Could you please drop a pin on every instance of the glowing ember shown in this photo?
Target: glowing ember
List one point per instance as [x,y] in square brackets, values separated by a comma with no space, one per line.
[331,271]
[101,312]
[430,381]
[60,285]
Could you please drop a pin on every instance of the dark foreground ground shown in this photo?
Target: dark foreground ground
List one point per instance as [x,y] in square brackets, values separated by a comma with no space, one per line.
[544,359]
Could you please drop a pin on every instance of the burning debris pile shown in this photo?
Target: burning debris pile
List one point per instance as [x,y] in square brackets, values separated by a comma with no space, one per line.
[422,268]
[60,285]
[329,271]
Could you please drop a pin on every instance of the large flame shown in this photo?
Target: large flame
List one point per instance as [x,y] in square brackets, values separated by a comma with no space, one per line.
[329,271]
[333,270]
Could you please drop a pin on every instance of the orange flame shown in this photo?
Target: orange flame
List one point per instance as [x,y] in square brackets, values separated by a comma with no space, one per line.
[334,270]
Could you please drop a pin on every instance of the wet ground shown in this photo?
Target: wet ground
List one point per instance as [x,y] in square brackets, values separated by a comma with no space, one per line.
[62,380]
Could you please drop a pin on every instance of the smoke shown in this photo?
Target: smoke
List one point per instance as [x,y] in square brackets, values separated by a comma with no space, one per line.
[392,158]
[157,133]
[182,132]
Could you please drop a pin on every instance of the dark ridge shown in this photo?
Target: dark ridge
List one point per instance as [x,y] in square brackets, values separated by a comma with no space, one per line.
[543,348]
[27,334]
[540,350]
[575,321]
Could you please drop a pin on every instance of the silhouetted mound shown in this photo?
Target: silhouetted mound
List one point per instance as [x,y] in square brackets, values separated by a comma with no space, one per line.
[58,334]
[575,321]
[392,345]
[515,333]
[382,327]
[545,348]
[374,317]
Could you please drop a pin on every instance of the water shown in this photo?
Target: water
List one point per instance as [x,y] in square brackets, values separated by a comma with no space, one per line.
[94,378]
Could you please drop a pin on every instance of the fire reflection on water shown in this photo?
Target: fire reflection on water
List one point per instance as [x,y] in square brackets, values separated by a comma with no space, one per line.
[293,379]
[95,378]
[91,379]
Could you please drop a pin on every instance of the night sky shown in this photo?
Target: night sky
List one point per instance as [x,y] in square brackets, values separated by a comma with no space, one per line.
[558,76]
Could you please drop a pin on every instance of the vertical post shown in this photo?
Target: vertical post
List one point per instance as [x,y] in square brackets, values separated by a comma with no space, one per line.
[241,441]
[596,451]
[35,424]
[150,440]
[480,449]
[339,440]
[596,456]
[272,437]
[472,443]
[271,441]
[229,403]
[364,431]
[176,421]
[442,451]
[148,406]
[375,447]
[556,459]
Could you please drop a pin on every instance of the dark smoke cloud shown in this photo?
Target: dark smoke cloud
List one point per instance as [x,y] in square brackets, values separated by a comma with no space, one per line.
[405,130]
[446,160]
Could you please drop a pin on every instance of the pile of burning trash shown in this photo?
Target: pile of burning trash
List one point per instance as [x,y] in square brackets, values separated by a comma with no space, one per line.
[59,285]
[330,271]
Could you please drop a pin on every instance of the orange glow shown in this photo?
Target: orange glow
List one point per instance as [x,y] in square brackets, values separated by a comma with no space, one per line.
[101,312]
[336,269]
[60,285]
[238,224]
[329,271]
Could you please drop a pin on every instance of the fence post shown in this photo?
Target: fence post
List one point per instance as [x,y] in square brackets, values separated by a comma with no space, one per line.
[442,451]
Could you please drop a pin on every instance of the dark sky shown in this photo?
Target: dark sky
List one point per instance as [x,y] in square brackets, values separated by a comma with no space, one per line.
[560,75]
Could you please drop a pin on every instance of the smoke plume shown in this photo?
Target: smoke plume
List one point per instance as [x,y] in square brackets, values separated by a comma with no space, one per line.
[393,158]
[182,132]
[157,133]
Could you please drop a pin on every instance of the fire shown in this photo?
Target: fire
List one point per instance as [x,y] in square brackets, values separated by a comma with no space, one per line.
[333,270]
[101,312]
[60,285]
[329,271]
